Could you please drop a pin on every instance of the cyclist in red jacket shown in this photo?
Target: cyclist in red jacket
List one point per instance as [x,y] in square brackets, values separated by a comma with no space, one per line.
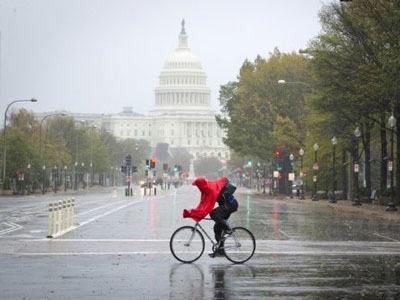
[220,191]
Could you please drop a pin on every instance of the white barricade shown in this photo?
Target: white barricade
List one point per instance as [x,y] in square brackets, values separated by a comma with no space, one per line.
[61,217]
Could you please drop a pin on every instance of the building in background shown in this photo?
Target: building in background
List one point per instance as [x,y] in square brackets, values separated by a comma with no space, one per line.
[182,117]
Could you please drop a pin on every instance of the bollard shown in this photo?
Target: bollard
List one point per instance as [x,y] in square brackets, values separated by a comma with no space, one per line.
[63,214]
[155,191]
[56,218]
[60,217]
[68,212]
[51,221]
[72,212]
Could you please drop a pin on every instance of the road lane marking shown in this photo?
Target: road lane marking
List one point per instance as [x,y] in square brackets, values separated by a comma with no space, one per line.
[97,208]
[96,240]
[284,233]
[13,227]
[297,253]
[385,237]
[105,214]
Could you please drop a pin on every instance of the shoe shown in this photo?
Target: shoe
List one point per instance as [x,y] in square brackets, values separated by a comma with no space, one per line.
[228,231]
[218,253]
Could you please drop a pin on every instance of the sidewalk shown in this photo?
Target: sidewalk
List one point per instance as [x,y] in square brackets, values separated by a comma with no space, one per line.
[366,210]
[94,189]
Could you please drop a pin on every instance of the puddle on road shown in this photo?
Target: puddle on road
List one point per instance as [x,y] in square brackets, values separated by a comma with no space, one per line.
[290,278]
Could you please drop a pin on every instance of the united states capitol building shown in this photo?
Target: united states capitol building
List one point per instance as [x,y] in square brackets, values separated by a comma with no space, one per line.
[182,116]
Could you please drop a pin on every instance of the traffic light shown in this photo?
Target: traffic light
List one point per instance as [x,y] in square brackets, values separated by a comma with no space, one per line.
[177,168]
[152,163]
[165,167]
[148,163]
[277,152]
[134,169]
[128,160]
[123,169]
[249,163]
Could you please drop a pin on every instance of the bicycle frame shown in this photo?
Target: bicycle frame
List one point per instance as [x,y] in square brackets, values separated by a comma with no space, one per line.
[198,226]
[214,243]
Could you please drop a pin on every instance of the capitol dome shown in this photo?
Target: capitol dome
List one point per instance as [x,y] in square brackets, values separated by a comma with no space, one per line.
[182,82]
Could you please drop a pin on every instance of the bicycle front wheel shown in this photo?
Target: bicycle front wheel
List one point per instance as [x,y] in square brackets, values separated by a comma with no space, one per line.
[239,246]
[187,244]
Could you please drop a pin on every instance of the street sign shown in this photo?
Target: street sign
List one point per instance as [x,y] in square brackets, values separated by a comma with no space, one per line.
[291,176]
[276,174]
[356,168]
[315,166]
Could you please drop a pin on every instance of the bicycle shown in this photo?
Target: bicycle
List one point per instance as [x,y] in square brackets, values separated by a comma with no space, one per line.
[187,243]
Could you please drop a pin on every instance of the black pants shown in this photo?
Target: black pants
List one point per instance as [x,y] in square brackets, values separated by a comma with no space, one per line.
[220,215]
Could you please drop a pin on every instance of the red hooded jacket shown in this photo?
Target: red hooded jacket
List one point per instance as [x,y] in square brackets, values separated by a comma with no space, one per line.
[210,191]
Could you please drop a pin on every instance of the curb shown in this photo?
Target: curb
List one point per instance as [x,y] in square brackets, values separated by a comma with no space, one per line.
[369,211]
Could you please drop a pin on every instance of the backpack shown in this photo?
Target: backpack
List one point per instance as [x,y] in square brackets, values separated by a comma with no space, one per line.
[227,193]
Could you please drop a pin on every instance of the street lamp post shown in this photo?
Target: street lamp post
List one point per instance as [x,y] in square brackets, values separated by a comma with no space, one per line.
[333,196]
[4,138]
[65,178]
[94,127]
[356,202]
[392,124]
[283,82]
[41,147]
[291,158]
[55,178]
[76,158]
[75,176]
[301,153]
[315,168]
[264,174]
[28,178]
[83,175]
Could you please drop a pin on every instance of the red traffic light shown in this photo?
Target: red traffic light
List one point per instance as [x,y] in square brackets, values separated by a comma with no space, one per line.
[277,152]
[152,163]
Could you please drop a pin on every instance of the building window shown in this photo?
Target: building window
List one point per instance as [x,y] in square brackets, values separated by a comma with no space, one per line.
[172,132]
[135,132]
[188,142]
[149,133]
[142,132]
[172,142]
[121,133]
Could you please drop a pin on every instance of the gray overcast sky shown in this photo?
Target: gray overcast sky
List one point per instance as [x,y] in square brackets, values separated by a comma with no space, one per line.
[98,56]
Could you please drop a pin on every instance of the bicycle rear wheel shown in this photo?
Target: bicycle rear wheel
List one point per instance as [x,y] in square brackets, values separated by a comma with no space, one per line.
[239,246]
[187,244]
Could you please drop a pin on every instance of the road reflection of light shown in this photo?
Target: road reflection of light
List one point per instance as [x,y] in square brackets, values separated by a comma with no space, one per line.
[186,281]
[248,211]
[276,222]
[152,207]
[174,210]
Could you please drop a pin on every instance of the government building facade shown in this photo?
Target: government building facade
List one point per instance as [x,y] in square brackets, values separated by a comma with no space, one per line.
[182,117]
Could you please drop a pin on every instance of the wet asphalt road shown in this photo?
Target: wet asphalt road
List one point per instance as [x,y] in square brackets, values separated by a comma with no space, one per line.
[120,250]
